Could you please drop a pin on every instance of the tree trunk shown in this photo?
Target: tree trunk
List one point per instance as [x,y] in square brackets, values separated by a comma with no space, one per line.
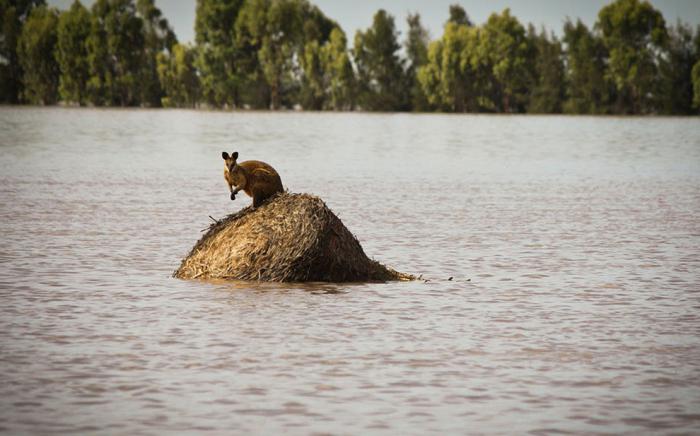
[275,95]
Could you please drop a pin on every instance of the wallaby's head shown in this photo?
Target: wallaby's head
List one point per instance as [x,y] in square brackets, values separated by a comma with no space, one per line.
[230,161]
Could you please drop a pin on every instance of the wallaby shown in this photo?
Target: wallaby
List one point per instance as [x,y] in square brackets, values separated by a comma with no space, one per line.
[258,179]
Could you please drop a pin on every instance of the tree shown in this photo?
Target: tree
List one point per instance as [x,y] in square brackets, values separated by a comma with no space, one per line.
[115,54]
[278,47]
[316,69]
[417,51]
[35,50]
[379,68]
[286,36]
[13,13]
[450,78]
[275,54]
[223,61]
[327,77]
[158,37]
[314,80]
[430,75]
[547,88]
[634,34]
[72,53]
[458,16]
[507,49]
[340,76]
[588,89]
[696,85]
[178,76]
[676,71]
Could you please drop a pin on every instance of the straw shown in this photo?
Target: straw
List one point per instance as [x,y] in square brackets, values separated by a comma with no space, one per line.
[290,238]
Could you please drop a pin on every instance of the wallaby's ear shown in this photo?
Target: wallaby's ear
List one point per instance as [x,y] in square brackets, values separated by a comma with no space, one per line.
[224,155]
[234,156]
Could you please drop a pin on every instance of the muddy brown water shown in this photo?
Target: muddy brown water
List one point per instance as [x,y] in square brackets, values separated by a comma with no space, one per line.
[573,244]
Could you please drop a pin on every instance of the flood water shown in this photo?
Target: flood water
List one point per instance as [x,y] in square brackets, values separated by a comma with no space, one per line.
[573,244]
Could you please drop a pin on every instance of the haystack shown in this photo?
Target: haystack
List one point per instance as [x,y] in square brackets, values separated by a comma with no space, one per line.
[290,238]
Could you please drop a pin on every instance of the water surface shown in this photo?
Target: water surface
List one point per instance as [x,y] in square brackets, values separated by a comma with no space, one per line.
[572,243]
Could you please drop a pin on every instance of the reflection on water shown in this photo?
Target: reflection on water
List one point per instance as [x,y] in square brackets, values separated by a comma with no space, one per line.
[573,243]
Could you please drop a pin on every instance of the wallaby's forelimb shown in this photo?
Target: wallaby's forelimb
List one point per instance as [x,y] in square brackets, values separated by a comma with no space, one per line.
[234,192]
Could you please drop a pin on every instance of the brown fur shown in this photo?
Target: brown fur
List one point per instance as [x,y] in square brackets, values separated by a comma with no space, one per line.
[257,179]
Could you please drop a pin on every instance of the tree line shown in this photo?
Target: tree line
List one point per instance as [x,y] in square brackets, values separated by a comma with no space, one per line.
[272,54]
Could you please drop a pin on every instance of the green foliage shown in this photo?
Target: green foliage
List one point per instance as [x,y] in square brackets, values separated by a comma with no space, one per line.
[430,75]
[327,77]
[316,57]
[178,76]
[13,14]
[452,75]
[588,89]
[676,71]
[35,49]
[72,53]
[507,49]
[496,67]
[314,81]
[115,54]
[458,16]
[634,34]
[158,36]
[287,37]
[278,43]
[547,88]
[339,73]
[379,67]
[696,85]
[274,54]
[417,52]
[222,60]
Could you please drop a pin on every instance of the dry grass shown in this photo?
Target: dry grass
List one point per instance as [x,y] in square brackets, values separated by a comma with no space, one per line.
[290,238]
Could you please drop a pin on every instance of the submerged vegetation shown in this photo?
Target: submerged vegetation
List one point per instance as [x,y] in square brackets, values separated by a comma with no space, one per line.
[273,54]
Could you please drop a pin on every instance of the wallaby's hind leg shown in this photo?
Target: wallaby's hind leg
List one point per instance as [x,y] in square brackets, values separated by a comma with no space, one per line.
[259,200]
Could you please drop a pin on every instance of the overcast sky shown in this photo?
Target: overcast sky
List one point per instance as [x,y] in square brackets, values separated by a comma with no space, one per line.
[357,14]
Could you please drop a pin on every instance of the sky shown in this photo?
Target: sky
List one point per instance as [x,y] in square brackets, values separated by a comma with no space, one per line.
[357,14]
